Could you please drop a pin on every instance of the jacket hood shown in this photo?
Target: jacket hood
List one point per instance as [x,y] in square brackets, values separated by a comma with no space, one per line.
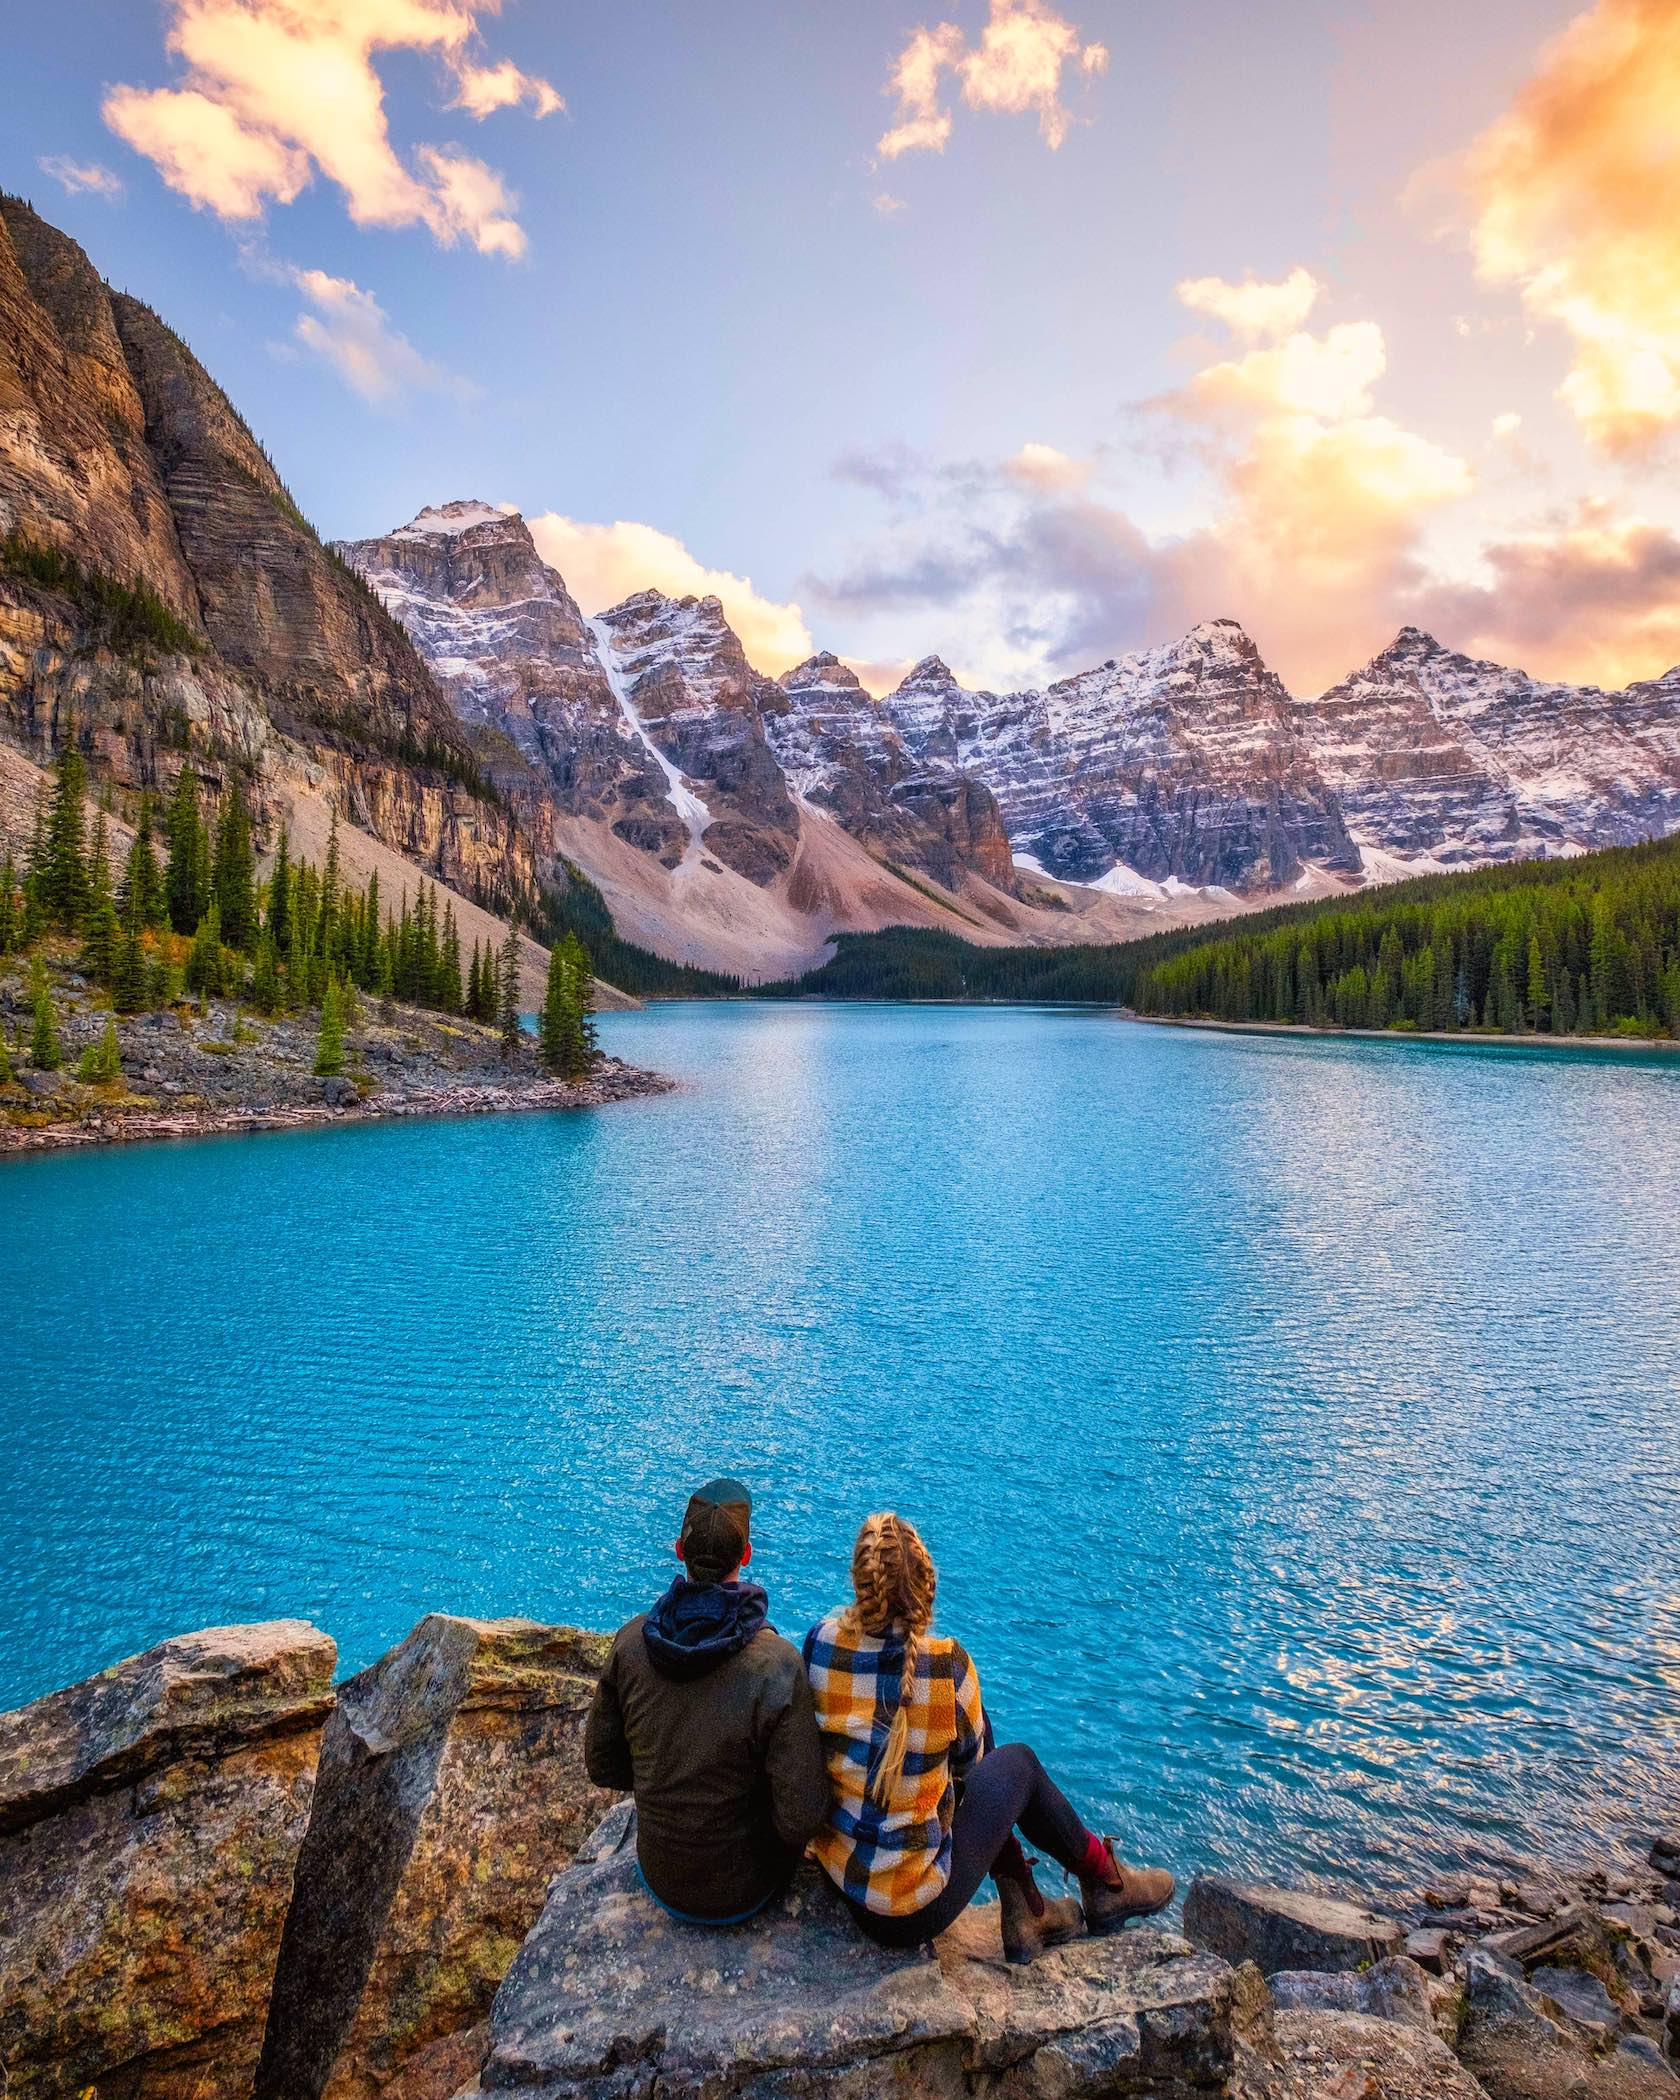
[696,1626]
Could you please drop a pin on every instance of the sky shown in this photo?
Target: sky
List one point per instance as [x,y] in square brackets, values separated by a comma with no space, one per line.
[1020,333]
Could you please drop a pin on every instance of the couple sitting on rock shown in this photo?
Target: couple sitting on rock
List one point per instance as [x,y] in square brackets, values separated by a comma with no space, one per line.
[873,1749]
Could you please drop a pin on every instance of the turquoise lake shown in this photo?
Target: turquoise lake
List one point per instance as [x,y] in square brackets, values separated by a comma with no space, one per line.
[1296,1424]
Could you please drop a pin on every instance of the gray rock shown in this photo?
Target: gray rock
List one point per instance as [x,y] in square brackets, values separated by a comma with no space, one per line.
[1582,1996]
[610,1998]
[1395,1990]
[149,1824]
[1278,1928]
[339,1092]
[1350,2056]
[1671,2019]
[1429,1946]
[40,1083]
[451,1787]
[1665,1853]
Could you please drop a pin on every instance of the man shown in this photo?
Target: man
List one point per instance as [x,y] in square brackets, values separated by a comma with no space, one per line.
[704,1713]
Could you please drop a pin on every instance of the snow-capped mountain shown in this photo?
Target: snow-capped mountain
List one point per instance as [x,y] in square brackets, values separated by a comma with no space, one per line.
[505,639]
[840,750]
[1440,756]
[1180,764]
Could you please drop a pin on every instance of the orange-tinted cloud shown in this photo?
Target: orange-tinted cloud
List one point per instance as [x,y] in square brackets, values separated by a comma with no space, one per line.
[1594,600]
[81,177]
[275,90]
[1577,198]
[605,563]
[1016,68]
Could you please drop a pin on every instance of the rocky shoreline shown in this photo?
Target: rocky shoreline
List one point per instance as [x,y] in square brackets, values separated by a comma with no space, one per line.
[213,1069]
[222,1877]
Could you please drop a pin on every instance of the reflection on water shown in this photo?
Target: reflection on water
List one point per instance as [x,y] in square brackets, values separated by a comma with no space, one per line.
[1297,1425]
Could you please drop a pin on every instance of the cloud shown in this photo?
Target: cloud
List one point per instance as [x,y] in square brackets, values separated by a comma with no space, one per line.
[1313,536]
[886,205]
[1043,467]
[81,177]
[1014,69]
[1251,309]
[276,90]
[605,563]
[1594,598]
[348,328]
[1576,191]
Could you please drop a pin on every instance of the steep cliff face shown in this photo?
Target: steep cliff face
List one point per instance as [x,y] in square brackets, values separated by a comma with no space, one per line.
[505,640]
[1179,763]
[838,749]
[1437,755]
[250,647]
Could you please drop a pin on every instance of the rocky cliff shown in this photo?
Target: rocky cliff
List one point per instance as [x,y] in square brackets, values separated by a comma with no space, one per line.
[221,1880]
[159,588]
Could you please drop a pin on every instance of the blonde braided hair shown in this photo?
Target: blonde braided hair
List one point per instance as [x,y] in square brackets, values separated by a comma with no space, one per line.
[893,1581]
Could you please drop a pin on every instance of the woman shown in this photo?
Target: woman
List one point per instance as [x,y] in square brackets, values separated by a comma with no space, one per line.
[924,1807]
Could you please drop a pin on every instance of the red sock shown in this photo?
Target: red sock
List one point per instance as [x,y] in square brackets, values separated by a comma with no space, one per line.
[1098,1863]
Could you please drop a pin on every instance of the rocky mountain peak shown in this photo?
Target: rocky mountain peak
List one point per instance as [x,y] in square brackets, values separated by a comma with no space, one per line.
[465,514]
[823,677]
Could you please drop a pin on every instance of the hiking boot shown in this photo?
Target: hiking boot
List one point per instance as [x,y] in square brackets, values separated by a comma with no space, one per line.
[1134,1892]
[1031,1923]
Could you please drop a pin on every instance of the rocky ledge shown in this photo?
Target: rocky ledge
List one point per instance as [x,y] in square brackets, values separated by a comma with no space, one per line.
[221,1879]
[194,1070]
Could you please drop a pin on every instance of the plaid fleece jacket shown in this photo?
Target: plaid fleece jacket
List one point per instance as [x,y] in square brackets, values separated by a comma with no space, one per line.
[893,1859]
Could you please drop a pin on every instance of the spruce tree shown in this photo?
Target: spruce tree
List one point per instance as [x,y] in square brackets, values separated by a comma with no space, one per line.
[11,906]
[44,1053]
[101,1062]
[101,939]
[141,901]
[187,883]
[205,971]
[507,990]
[130,980]
[265,975]
[583,982]
[473,984]
[327,923]
[65,879]
[279,921]
[329,1045]
[554,1021]
[234,872]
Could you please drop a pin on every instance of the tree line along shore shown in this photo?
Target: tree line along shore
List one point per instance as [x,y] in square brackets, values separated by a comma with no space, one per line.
[190,928]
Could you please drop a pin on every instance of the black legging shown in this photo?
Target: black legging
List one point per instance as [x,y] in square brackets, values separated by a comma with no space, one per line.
[1007,1789]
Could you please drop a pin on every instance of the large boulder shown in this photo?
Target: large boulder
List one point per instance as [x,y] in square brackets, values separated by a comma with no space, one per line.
[1351,2056]
[611,1998]
[1279,1928]
[451,1788]
[1396,1990]
[149,1823]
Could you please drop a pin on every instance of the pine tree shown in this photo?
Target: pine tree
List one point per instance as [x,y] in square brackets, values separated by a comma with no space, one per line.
[554,1045]
[64,891]
[44,1053]
[140,897]
[129,977]
[101,939]
[101,1062]
[507,989]
[99,867]
[474,984]
[187,884]
[265,976]
[205,971]
[327,923]
[234,872]
[586,1047]
[11,906]
[279,920]
[329,1045]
